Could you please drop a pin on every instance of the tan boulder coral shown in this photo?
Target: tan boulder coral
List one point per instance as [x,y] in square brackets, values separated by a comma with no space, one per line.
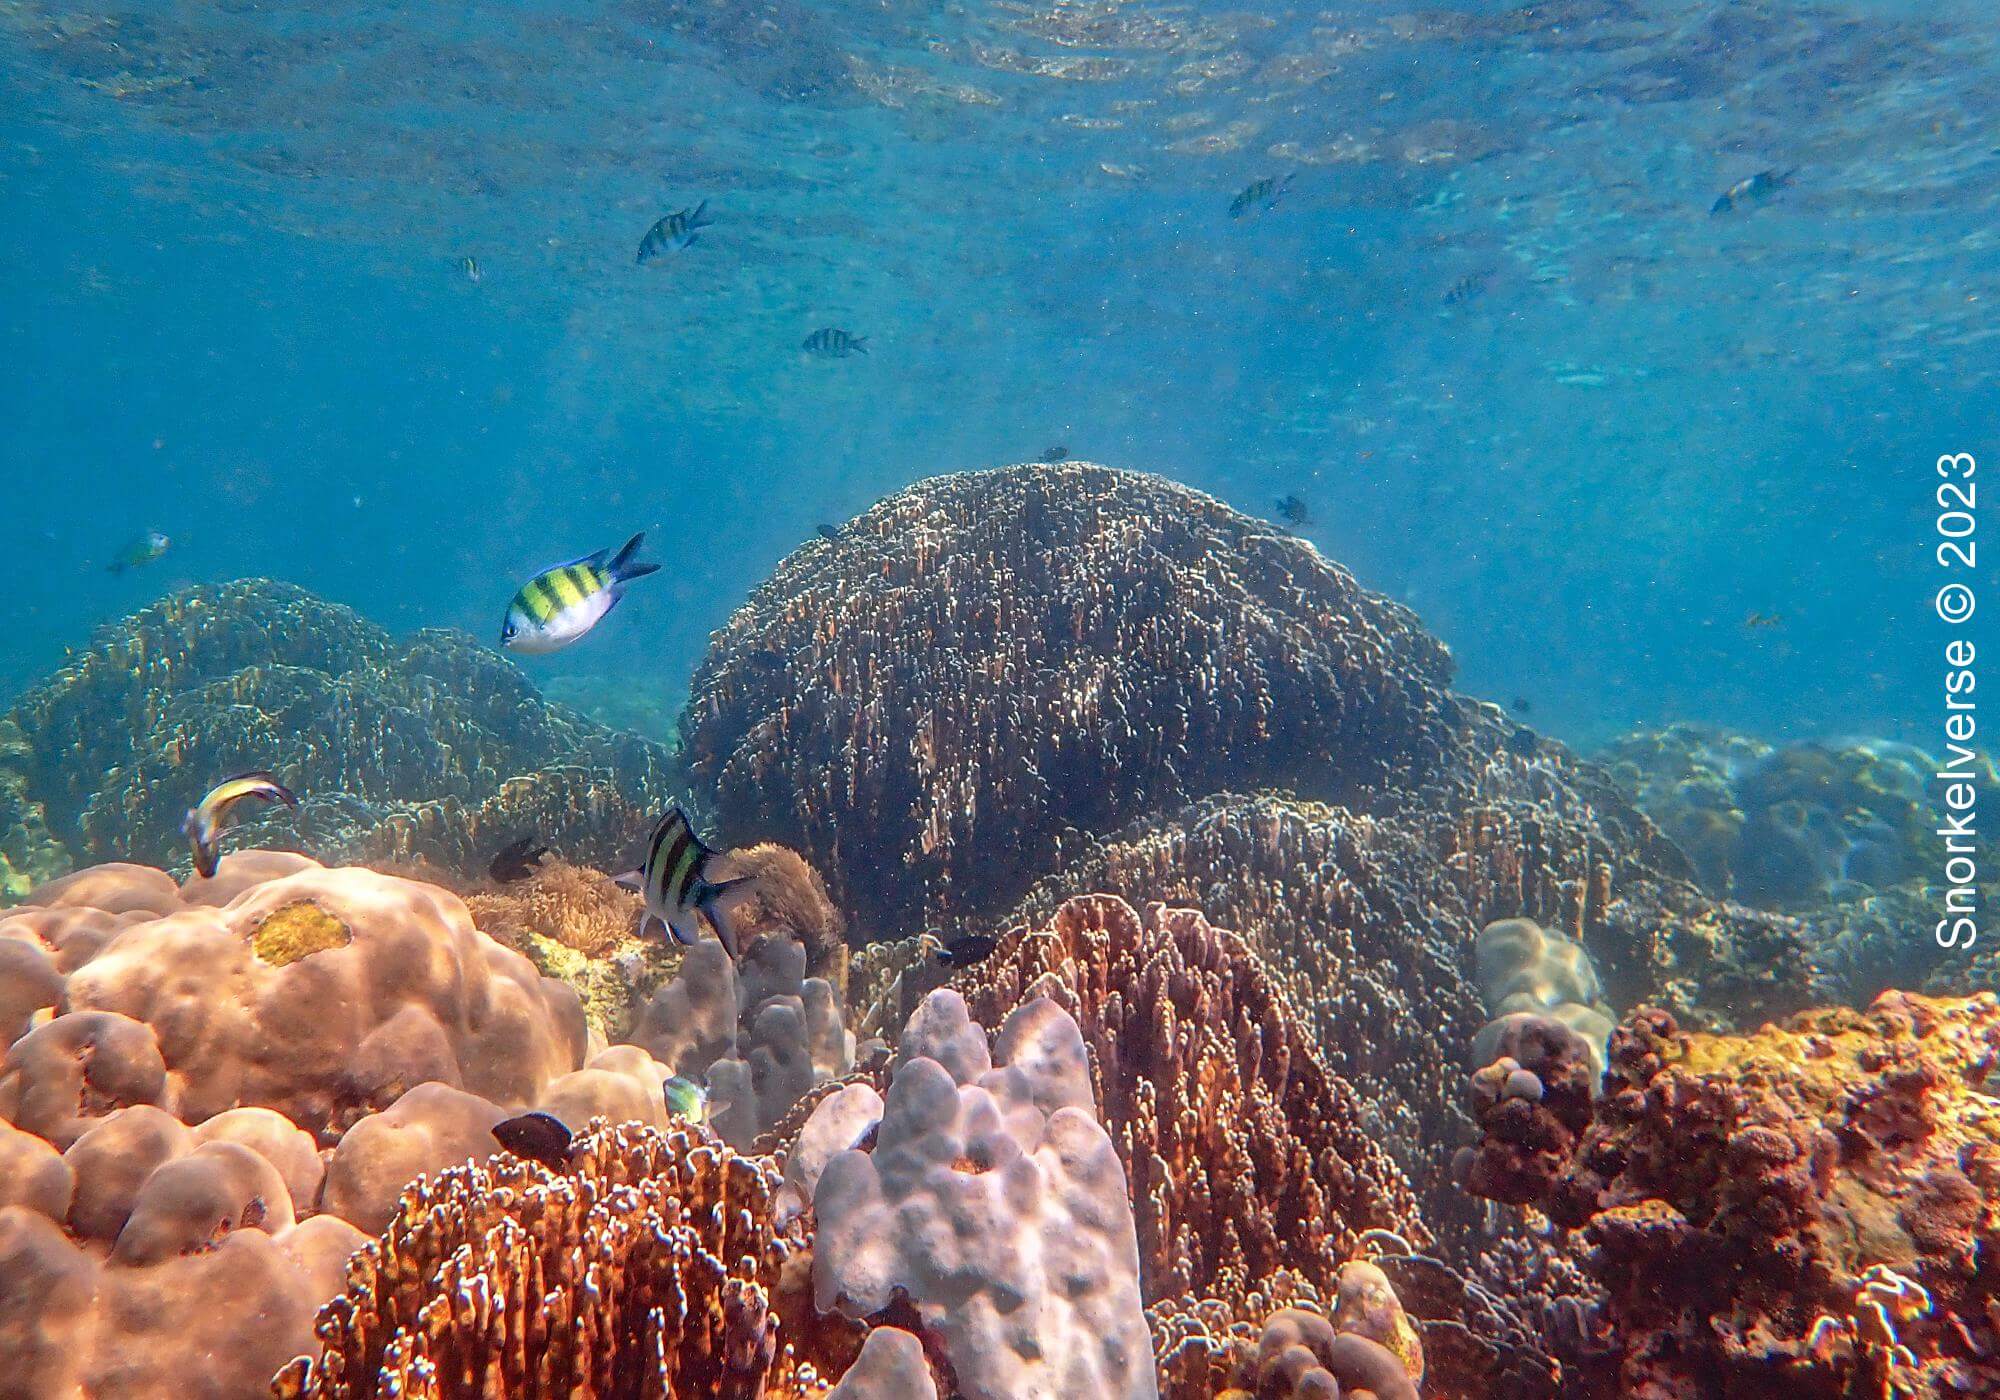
[111,1162]
[993,1202]
[323,994]
[66,1074]
[432,1127]
[34,1174]
[279,1141]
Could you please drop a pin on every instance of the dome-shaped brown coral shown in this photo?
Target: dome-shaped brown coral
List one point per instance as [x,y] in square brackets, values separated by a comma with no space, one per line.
[924,704]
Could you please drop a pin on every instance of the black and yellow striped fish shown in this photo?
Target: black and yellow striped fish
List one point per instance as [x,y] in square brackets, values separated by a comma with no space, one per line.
[674,233]
[833,343]
[675,883]
[203,824]
[559,605]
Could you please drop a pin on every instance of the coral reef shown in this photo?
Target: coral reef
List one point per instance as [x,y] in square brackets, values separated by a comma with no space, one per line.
[320,993]
[1527,970]
[1806,1211]
[760,1033]
[991,1202]
[924,705]
[1244,1156]
[1842,833]
[649,1267]
[432,746]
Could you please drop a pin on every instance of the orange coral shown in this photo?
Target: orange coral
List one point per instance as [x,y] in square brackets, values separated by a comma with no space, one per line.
[651,1267]
[1809,1210]
[579,908]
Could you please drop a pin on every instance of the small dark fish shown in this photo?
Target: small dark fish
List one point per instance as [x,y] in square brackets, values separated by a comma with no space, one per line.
[1755,190]
[826,532]
[140,552]
[675,233]
[1052,455]
[833,343]
[1522,706]
[1466,288]
[516,860]
[675,884]
[964,952]
[1760,620]
[1522,742]
[1294,511]
[1264,194]
[537,1137]
[203,824]
[768,659]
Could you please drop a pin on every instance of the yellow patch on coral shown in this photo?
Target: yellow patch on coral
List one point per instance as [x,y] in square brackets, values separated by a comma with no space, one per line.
[297,931]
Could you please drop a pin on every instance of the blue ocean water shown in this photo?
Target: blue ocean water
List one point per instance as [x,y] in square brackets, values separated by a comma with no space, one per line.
[233,308]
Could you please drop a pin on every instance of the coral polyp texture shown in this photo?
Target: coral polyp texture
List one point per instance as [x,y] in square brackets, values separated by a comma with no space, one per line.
[431,746]
[648,1267]
[1805,1211]
[1244,1156]
[925,704]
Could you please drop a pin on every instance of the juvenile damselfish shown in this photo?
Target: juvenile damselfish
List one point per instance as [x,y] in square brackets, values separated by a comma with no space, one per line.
[559,605]
[675,883]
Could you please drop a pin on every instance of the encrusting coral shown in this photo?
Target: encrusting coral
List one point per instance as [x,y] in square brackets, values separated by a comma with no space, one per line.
[1806,1211]
[925,704]
[460,752]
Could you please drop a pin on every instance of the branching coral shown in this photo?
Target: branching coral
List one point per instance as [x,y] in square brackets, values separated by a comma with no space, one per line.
[1802,1210]
[649,1267]
[976,665]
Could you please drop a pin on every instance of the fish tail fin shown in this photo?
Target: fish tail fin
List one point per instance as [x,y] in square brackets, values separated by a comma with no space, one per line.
[709,901]
[861,343]
[1786,177]
[630,880]
[1721,206]
[695,220]
[623,569]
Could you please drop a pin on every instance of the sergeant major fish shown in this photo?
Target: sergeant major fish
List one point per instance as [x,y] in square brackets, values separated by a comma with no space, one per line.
[1755,190]
[833,343]
[559,605]
[1264,194]
[673,233]
[674,880]
[203,824]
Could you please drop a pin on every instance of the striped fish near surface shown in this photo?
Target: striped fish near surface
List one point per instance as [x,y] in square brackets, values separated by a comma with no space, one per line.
[203,824]
[674,881]
[559,605]
[674,233]
[833,343]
